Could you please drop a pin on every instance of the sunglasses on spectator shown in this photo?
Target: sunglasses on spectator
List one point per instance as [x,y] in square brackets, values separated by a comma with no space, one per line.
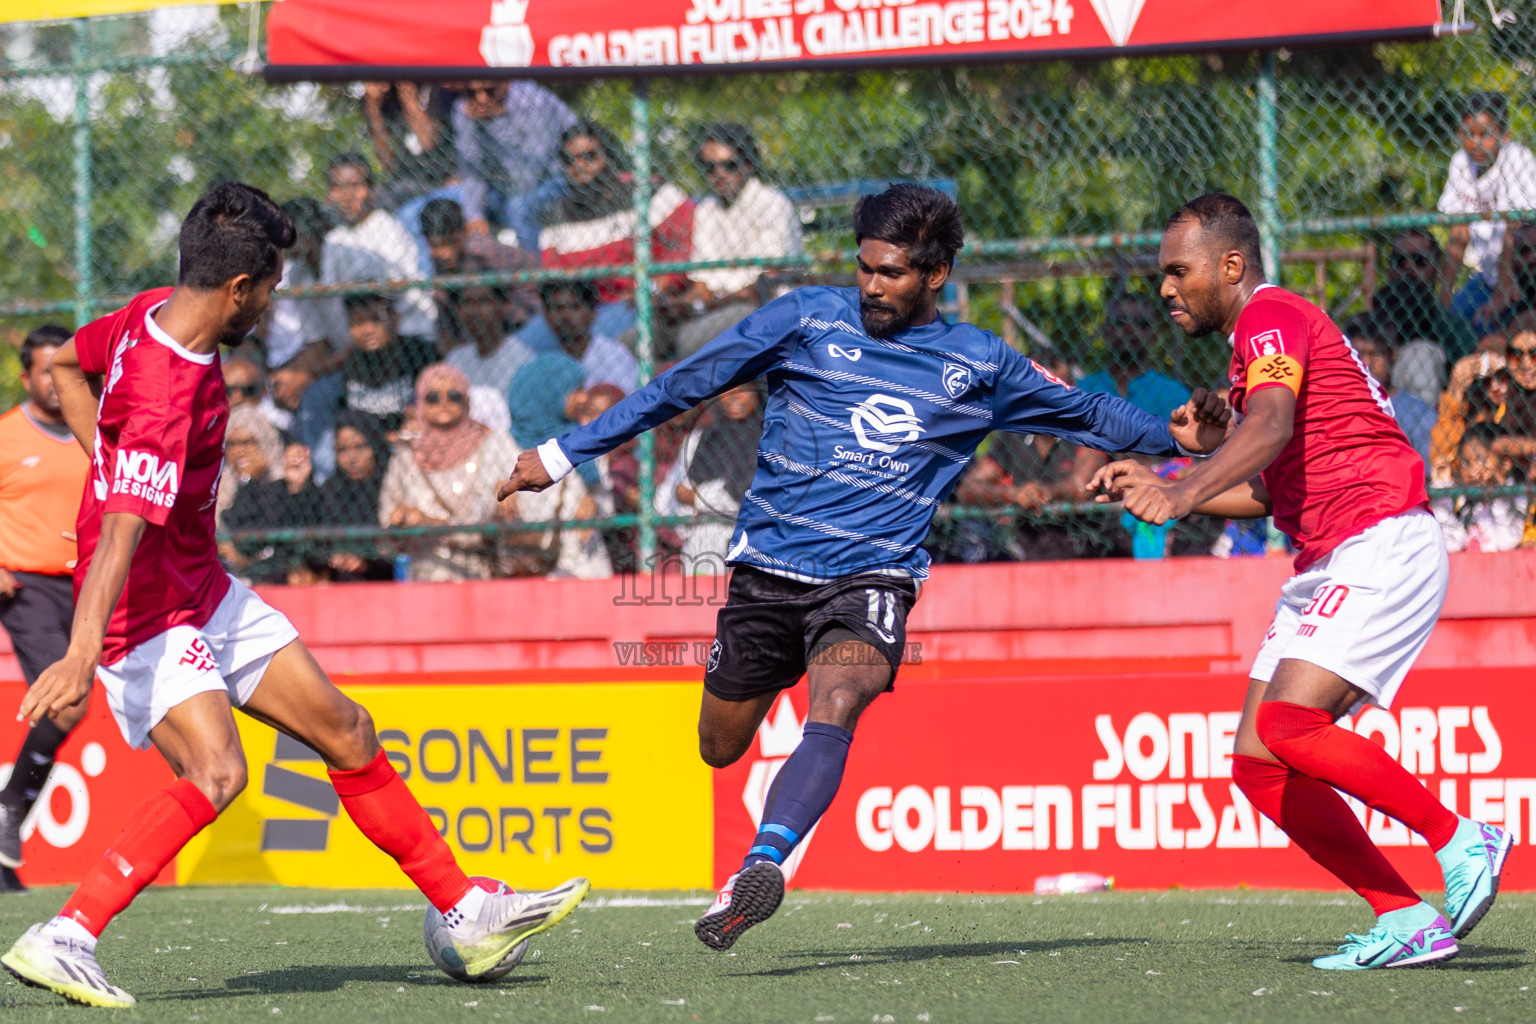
[1520,353]
[477,91]
[436,397]
[1418,259]
[720,166]
[586,156]
[243,390]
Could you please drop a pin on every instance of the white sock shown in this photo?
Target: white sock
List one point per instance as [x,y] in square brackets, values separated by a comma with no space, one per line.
[470,905]
[69,928]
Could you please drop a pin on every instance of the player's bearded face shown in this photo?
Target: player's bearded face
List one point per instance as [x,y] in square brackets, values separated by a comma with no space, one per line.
[891,291]
[250,306]
[882,318]
[1199,304]
[1191,286]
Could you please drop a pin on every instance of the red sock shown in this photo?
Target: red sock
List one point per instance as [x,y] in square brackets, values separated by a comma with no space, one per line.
[153,834]
[377,799]
[1321,823]
[1305,739]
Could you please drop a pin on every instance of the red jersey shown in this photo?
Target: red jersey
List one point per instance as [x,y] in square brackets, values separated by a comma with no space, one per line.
[159,453]
[1348,465]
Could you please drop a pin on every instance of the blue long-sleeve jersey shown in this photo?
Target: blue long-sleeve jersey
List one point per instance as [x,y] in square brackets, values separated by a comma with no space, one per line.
[863,437]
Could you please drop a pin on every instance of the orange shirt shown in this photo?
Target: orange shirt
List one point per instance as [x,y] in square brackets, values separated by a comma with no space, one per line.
[41,480]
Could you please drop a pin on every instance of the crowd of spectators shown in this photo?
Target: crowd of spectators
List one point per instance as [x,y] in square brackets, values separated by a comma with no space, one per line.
[402,408]
[1457,363]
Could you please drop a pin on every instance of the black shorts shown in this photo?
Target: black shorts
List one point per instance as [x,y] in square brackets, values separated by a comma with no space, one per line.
[771,627]
[38,618]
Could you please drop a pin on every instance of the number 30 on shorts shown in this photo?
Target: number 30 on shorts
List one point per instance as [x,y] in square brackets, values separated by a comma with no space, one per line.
[1327,602]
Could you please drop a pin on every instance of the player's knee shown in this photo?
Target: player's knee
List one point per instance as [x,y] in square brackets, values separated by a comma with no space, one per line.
[1285,728]
[842,703]
[721,752]
[221,778]
[355,742]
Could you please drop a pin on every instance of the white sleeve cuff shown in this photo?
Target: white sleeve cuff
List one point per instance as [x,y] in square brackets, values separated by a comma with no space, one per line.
[555,462]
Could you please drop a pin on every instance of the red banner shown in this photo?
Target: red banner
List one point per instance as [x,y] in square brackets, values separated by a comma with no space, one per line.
[347,38]
[984,785]
[94,785]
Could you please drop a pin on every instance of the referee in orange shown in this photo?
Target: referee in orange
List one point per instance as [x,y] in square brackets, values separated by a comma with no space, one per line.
[42,474]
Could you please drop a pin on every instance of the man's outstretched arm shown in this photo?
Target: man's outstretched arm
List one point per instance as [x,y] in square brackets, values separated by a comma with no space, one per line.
[1029,401]
[743,353]
[1248,452]
[1247,500]
[68,681]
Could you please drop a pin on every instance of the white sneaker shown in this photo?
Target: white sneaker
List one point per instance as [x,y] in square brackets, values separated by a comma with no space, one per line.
[505,919]
[63,965]
[749,897]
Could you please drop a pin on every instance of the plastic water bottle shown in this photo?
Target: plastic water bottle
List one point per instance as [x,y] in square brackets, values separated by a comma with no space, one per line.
[1072,882]
[402,567]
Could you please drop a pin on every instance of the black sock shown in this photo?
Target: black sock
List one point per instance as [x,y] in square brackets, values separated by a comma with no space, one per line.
[33,763]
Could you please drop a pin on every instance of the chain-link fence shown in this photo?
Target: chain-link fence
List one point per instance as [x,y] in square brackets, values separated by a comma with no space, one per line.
[468,280]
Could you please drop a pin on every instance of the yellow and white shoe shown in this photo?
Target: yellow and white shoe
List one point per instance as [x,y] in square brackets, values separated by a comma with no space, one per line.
[507,919]
[64,965]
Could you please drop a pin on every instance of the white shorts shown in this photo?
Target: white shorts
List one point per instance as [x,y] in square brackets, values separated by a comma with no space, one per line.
[230,653]
[1366,610]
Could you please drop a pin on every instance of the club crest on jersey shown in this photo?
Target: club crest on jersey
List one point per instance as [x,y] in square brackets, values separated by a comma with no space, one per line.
[1267,344]
[957,379]
[884,423]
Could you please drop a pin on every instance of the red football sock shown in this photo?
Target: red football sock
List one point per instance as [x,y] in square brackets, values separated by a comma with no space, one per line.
[1321,823]
[153,834]
[377,799]
[1305,739]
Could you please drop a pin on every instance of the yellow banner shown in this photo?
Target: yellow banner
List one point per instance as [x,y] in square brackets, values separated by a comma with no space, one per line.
[56,10]
[528,783]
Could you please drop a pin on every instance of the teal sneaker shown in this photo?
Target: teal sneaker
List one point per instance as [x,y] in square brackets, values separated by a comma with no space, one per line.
[1402,938]
[1472,862]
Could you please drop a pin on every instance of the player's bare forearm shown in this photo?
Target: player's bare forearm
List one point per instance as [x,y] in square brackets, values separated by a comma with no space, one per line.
[67,681]
[104,581]
[1248,452]
[1248,500]
[78,394]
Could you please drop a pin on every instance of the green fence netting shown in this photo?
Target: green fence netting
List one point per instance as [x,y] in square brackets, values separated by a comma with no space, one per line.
[493,227]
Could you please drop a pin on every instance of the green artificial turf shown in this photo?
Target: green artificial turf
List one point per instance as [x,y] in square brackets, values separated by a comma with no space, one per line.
[245,954]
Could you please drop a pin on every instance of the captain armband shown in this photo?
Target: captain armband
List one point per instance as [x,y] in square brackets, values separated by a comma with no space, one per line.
[1275,369]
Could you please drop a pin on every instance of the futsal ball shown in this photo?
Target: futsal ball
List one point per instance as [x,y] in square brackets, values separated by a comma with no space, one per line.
[434,932]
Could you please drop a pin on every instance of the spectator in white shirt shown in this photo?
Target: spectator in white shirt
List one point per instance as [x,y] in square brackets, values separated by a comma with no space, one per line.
[570,307]
[1489,174]
[299,323]
[372,245]
[741,218]
[489,354]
